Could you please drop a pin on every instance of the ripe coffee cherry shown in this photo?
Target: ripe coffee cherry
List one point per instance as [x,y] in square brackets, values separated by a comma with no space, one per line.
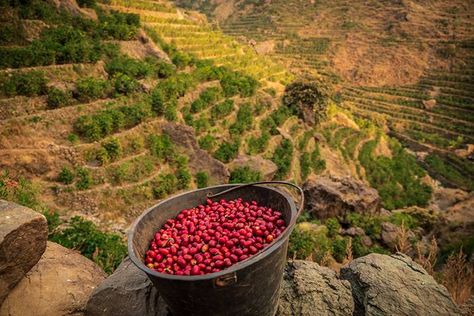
[212,237]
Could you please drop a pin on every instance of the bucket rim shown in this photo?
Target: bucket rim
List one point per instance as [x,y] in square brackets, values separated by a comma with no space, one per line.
[232,269]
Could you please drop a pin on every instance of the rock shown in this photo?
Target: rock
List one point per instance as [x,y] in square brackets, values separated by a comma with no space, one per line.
[366,241]
[328,197]
[266,167]
[59,284]
[467,309]
[309,289]
[429,104]
[127,292]
[395,285]
[199,160]
[23,236]
[390,234]
[353,231]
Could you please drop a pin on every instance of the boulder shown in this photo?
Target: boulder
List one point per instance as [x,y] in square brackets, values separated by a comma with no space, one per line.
[328,197]
[23,236]
[127,292]
[199,160]
[395,285]
[353,231]
[266,167]
[309,289]
[59,284]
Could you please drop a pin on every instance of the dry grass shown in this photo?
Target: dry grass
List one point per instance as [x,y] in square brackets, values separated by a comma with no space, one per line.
[458,277]
[427,259]
[403,242]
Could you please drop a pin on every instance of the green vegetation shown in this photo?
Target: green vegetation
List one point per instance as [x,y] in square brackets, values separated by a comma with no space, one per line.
[307,95]
[105,249]
[161,147]
[84,179]
[244,175]
[244,120]
[305,165]
[449,171]
[118,25]
[66,176]
[29,84]
[207,142]
[206,98]
[58,98]
[202,179]
[397,179]
[222,109]
[103,123]
[165,185]
[90,89]
[282,157]
[227,151]
[234,83]
[257,145]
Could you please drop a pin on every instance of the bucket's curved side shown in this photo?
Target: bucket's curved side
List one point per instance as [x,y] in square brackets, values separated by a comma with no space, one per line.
[257,282]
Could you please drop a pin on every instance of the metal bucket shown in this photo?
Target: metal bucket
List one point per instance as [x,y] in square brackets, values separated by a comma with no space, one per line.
[250,287]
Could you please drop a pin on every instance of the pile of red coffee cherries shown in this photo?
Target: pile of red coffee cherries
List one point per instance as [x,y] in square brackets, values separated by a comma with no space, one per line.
[212,237]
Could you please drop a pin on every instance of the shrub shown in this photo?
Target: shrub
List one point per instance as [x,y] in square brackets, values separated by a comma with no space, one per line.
[19,190]
[181,60]
[201,124]
[161,146]
[133,68]
[282,158]
[165,70]
[166,184]
[234,83]
[408,221]
[66,176]
[244,175]
[182,173]
[257,145]
[207,142]
[113,148]
[58,98]
[333,226]
[106,122]
[124,84]
[206,98]
[306,244]
[372,225]
[119,26]
[84,180]
[29,84]
[339,247]
[171,113]
[202,179]
[89,89]
[105,249]
[70,44]
[158,103]
[227,151]
[244,120]
[102,156]
[222,109]
[305,165]
[397,179]
[302,96]
[317,163]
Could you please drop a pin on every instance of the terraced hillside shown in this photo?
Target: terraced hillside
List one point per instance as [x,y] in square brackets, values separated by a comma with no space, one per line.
[102,117]
[104,112]
[402,63]
[434,117]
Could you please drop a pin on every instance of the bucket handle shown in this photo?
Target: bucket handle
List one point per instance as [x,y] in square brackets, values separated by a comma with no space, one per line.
[300,191]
